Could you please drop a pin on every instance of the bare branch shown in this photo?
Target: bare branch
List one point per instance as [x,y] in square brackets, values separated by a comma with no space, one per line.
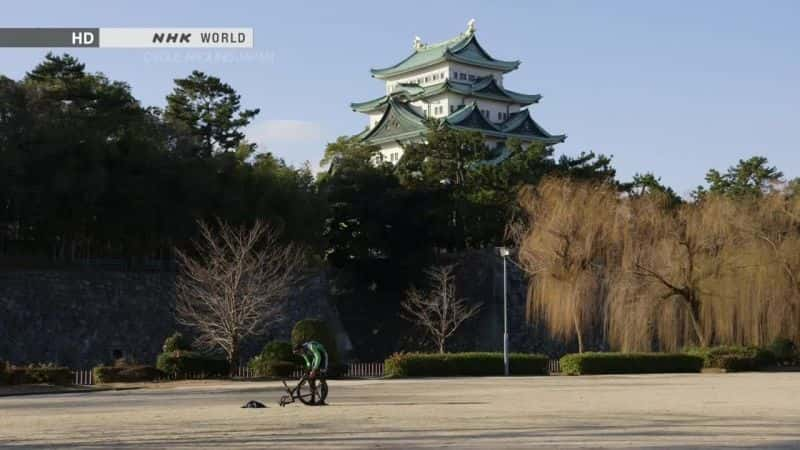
[439,312]
[233,283]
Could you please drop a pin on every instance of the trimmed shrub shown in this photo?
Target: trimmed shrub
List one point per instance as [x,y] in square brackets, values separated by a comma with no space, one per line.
[784,350]
[177,342]
[126,374]
[182,364]
[278,351]
[316,330]
[267,368]
[618,363]
[41,373]
[462,364]
[275,360]
[734,358]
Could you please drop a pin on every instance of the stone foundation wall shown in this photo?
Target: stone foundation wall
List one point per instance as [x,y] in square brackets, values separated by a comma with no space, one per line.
[81,318]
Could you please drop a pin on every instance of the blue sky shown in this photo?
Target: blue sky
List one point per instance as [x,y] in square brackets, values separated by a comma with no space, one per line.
[672,87]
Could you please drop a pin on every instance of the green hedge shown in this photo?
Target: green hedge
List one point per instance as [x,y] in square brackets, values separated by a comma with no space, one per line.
[615,363]
[462,364]
[784,350]
[129,374]
[181,364]
[279,351]
[269,368]
[275,360]
[734,358]
[40,374]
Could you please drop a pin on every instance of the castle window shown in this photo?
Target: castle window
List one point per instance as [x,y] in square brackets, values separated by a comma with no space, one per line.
[462,76]
[471,77]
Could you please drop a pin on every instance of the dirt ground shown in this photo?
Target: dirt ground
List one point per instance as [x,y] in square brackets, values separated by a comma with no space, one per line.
[753,410]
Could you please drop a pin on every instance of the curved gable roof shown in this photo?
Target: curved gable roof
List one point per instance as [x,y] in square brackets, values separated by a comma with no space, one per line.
[398,122]
[463,48]
[484,87]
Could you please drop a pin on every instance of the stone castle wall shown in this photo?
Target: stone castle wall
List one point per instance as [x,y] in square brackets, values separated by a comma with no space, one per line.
[81,318]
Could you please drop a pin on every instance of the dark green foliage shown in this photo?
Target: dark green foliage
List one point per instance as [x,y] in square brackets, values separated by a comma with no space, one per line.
[272,368]
[176,342]
[126,374]
[649,184]
[462,364]
[182,364]
[613,363]
[40,373]
[316,330]
[87,172]
[734,358]
[207,115]
[475,200]
[784,350]
[278,351]
[275,360]
[750,177]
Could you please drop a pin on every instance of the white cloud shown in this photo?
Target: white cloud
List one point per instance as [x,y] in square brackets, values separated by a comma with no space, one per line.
[268,132]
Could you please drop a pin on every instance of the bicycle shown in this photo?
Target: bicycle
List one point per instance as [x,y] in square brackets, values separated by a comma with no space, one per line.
[311,392]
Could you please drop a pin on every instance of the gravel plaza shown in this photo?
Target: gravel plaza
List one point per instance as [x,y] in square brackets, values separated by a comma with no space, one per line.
[745,410]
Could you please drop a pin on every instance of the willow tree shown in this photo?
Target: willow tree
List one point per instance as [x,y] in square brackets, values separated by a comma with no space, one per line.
[674,260]
[567,250]
[767,290]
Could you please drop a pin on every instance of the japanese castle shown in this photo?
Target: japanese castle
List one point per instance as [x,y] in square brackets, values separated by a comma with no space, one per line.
[457,82]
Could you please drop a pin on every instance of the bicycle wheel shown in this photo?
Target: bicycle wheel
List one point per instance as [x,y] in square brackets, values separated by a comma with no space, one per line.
[323,391]
[312,392]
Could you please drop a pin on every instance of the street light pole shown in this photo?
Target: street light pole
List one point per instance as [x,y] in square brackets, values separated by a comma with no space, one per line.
[504,253]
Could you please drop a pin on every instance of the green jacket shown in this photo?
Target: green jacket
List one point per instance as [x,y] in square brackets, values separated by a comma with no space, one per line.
[315,356]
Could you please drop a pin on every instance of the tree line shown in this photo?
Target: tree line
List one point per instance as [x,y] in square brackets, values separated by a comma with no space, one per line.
[87,171]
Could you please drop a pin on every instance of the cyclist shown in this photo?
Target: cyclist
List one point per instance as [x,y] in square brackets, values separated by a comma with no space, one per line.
[315,356]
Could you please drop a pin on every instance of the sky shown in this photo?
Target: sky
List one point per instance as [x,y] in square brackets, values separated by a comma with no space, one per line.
[669,87]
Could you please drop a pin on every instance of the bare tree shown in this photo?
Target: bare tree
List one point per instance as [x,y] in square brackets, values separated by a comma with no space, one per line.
[232,285]
[439,312]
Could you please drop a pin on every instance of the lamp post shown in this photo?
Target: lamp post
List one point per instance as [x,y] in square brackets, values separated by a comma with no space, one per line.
[504,253]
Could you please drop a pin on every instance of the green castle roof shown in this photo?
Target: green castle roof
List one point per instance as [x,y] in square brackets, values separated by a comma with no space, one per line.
[520,125]
[400,122]
[484,87]
[463,48]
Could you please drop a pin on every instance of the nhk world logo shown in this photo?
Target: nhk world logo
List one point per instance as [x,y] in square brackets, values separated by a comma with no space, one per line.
[178,37]
[127,37]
